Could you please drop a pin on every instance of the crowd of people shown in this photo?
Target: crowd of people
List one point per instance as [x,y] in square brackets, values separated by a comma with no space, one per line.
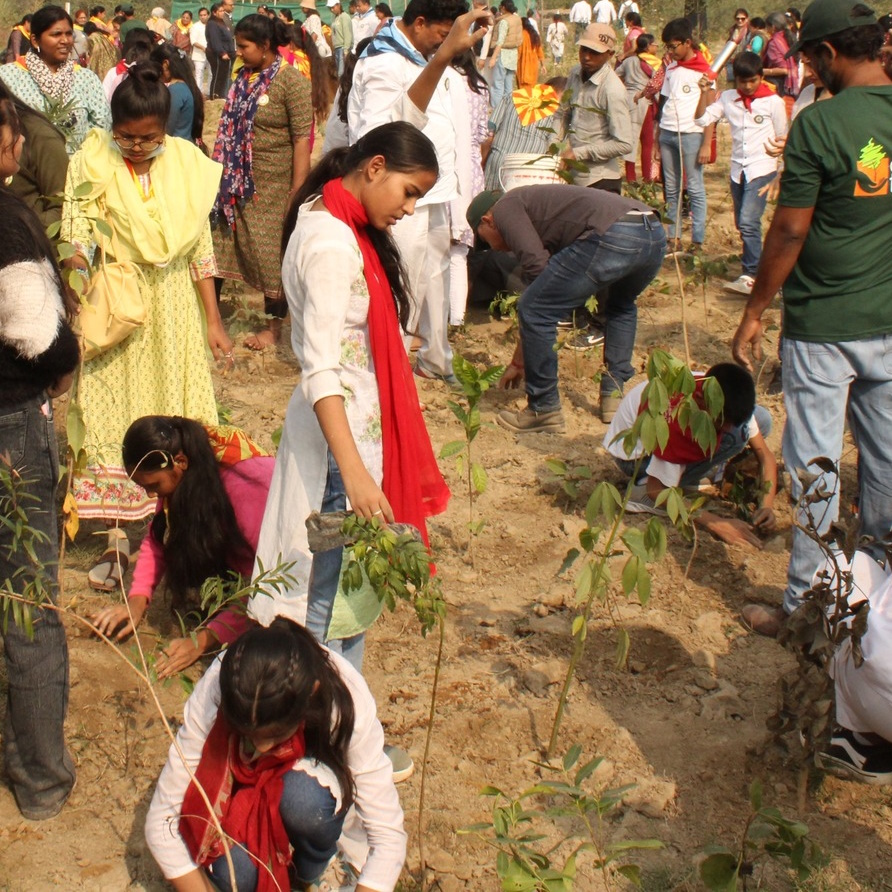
[404,218]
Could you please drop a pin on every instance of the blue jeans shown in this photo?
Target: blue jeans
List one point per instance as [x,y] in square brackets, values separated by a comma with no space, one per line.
[313,827]
[825,385]
[339,59]
[733,443]
[626,258]
[502,83]
[748,209]
[678,152]
[325,576]
[39,766]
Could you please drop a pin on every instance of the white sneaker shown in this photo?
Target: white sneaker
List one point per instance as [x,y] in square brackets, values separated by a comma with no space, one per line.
[743,285]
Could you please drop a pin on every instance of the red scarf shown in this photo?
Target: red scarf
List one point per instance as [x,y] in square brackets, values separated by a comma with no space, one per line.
[698,62]
[245,796]
[412,481]
[763,91]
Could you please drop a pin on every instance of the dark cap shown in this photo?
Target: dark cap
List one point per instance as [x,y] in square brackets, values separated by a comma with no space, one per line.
[127,9]
[825,17]
[480,205]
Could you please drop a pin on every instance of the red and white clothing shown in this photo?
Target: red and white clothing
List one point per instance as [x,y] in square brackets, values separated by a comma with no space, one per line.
[373,838]
[751,130]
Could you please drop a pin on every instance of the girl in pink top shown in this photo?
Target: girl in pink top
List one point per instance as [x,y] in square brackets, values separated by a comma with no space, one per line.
[211,485]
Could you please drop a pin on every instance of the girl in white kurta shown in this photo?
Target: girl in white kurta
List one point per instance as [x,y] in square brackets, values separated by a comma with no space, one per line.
[339,445]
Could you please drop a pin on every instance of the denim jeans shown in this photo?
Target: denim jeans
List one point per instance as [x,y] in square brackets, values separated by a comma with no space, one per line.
[732,443]
[39,766]
[325,576]
[313,827]
[502,83]
[678,152]
[825,385]
[748,209]
[339,59]
[626,258]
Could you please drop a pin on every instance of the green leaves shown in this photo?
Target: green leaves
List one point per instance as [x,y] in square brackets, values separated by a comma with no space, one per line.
[719,871]
[540,833]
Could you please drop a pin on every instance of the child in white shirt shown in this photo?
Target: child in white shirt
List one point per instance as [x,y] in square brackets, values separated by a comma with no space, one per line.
[757,116]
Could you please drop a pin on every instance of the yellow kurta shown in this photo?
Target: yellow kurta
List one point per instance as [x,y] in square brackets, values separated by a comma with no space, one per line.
[162,368]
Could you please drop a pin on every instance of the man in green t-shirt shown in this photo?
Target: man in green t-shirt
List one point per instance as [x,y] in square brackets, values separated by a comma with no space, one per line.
[828,247]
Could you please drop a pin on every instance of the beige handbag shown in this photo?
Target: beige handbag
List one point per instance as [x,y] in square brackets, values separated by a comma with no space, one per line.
[113,306]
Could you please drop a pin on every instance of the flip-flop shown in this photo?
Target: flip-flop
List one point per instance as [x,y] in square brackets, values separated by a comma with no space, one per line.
[109,570]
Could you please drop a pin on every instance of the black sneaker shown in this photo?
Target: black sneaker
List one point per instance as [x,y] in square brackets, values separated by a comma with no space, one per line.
[585,340]
[848,758]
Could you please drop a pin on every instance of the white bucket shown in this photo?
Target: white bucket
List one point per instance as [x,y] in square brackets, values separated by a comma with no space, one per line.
[522,169]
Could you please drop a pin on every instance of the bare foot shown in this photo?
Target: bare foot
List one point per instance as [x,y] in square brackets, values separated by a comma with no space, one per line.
[261,340]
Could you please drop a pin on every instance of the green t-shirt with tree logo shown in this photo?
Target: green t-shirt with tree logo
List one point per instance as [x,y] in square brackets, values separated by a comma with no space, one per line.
[837,160]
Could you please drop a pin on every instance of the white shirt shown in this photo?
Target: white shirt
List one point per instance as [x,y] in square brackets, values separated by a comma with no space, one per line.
[604,12]
[376,805]
[581,13]
[682,87]
[313,27]
[750,131]
[555,37]
[667,472]
[364,25]
[197,35]
[378,96]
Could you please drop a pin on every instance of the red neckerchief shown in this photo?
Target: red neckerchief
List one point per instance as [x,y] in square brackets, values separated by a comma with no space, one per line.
[763,91]
[245,796]
[412,481]
[698,63]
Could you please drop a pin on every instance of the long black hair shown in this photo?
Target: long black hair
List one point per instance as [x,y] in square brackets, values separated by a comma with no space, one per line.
[405,149]
[279,677]
[198,533]
[323,77]
[142,94]
[466,63]
[181,69]
[530,28]
[345,84]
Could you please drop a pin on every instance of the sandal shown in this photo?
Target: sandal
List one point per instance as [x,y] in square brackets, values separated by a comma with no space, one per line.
[108,572]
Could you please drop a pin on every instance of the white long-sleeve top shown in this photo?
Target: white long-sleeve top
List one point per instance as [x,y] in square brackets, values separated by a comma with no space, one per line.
[376,804]
[751,131]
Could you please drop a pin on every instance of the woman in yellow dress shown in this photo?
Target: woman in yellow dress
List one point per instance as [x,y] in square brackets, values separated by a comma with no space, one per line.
[156,193]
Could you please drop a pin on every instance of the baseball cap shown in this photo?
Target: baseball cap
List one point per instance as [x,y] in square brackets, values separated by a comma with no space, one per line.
[127,9]
[332,3]
[480,205]
[825,17]
[598,37]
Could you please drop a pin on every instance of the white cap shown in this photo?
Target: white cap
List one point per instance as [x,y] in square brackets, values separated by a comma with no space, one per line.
[332,3]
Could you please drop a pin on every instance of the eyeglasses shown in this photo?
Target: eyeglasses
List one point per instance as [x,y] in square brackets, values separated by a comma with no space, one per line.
[672,47]
[147,144]
[740,18]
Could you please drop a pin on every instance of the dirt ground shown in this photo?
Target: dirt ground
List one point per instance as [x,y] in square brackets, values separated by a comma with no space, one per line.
[686,724]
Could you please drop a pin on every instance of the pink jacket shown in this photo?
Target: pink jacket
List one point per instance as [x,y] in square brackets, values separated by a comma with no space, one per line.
[247,485]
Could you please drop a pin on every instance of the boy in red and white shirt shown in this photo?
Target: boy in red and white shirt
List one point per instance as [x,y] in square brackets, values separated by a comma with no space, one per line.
[682,462]
[757,116]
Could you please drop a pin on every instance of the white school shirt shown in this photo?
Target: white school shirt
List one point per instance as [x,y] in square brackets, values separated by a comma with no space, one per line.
[667,472]
[364,25]
[377,804]
[604,12]
[581,13]
[750,131]
[681,86]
